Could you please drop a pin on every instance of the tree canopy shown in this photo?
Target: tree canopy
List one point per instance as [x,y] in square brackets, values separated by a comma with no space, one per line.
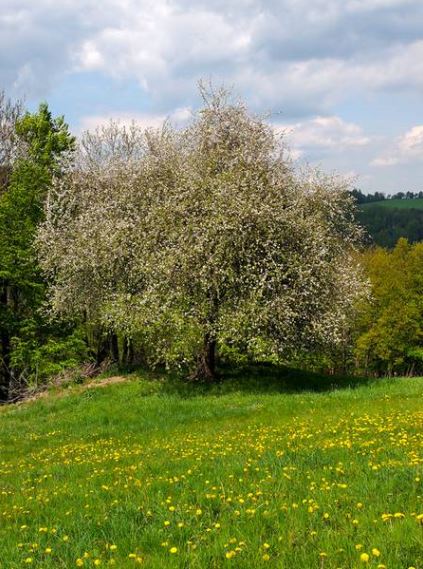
[198,239]
[34,144]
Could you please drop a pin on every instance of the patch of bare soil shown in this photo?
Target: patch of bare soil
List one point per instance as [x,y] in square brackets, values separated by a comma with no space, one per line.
[106,381]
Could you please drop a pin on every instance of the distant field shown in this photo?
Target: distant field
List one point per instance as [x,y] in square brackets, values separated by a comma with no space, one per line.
[243,475]
[400,204]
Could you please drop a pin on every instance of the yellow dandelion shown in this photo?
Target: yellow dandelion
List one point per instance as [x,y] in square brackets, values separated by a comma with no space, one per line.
[364,557]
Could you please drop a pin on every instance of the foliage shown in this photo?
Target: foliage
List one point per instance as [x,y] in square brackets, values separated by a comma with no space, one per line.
[202,237]
[400,199]
[236,474]
[39,360]
[391,326]
[43,142]
[385,225]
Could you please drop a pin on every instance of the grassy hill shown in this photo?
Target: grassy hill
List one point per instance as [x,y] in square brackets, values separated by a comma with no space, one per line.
[263,470]
[395,204]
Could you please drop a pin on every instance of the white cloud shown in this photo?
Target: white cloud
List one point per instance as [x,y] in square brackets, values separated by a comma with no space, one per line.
[323,133]
[407,148]
[297,56]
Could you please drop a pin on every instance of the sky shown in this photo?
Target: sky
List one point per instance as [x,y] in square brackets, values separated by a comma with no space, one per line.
[342,78]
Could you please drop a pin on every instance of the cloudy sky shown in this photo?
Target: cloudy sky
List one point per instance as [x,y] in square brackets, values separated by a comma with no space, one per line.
[343,77]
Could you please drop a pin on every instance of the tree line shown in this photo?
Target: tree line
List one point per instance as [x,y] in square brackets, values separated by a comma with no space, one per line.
[362,198]
[177,248]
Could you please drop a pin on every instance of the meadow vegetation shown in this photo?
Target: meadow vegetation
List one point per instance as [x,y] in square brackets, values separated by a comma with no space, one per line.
[257,471]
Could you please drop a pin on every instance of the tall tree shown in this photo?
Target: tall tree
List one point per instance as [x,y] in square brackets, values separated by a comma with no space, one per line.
[43,143]
[204,237]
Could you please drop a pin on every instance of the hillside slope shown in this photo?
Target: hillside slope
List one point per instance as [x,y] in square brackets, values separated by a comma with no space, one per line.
[157,474]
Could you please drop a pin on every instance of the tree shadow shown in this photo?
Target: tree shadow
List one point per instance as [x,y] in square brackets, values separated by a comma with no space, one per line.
[258,378]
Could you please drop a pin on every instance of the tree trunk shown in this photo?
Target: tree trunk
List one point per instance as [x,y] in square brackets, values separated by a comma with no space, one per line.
[206,368]
[114,347]
[5,373]
[128,352]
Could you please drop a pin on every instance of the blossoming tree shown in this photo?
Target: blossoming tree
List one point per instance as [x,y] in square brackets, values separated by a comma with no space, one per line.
[197,238]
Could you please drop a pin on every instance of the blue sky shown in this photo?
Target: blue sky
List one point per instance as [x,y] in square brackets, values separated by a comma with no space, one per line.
[343,78]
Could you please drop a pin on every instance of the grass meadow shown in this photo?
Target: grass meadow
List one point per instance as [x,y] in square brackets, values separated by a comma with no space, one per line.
[396,204]
[257,471]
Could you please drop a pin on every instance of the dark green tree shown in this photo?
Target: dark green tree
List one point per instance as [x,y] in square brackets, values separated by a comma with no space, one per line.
[44,142]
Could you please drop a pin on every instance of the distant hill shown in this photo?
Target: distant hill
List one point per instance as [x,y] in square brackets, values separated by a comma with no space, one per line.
[416,203]
[388,220]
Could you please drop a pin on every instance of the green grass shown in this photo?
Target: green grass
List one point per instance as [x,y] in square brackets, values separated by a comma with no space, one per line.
[258,471]
[395,204]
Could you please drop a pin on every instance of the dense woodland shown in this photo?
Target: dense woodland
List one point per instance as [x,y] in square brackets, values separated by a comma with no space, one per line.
[184,248]
[387,218]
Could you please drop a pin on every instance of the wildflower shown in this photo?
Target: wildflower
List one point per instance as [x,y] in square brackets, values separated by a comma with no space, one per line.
[173,550]
[230,554]
[376,552]
[28,560]
[266,557]
[113,547]
[364,557]
[79,562]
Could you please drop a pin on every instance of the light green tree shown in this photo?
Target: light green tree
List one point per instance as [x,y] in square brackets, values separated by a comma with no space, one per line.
[391,325]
